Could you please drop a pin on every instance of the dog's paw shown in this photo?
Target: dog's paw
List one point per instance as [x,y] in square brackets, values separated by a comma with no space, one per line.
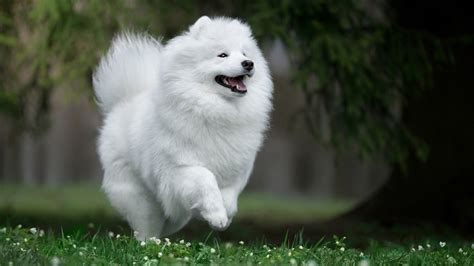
[217,220]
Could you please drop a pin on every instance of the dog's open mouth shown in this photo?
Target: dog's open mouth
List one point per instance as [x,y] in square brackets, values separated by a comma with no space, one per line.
[235,84]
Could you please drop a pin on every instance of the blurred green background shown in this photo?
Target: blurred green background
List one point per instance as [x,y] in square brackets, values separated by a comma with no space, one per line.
[372,119]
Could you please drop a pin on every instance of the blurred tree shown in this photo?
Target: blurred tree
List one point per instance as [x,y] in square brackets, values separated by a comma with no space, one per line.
[46,45]
[358,66]
[440,190]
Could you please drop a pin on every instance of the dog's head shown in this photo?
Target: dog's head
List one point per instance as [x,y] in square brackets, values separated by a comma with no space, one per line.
[216,56]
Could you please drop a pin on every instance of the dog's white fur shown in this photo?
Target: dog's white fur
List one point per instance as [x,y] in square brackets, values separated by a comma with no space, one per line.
[175,144]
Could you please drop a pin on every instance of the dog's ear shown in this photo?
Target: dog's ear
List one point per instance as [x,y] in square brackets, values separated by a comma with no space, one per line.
[199,25]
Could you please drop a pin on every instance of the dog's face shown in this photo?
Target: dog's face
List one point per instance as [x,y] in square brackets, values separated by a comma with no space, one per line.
[218,56]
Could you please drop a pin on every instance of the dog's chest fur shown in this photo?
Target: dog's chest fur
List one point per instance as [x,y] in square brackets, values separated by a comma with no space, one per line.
[227,153]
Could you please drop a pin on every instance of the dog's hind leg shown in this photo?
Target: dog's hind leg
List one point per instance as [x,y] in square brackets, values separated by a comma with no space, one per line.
[172,226]
[134,202]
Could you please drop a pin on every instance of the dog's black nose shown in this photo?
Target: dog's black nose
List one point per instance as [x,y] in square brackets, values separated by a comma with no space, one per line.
[247,65]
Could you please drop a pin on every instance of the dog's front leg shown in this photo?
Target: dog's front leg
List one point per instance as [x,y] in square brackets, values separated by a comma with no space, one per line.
[194,189]
[229,196]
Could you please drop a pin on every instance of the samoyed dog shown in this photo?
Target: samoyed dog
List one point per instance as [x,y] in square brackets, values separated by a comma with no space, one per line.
[183,123]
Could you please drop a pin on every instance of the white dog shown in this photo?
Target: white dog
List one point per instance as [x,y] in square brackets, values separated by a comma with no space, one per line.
[183,124]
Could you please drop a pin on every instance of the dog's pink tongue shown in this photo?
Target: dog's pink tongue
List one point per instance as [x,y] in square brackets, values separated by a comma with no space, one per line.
[238,83]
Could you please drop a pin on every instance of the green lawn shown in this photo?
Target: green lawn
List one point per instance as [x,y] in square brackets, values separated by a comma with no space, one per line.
[75,225]
[26,246]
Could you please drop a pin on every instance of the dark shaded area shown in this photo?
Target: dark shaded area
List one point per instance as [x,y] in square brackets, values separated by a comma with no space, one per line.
[445,19]
[440,190]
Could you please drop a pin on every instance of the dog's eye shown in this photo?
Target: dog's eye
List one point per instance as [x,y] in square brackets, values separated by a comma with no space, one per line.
[223,55]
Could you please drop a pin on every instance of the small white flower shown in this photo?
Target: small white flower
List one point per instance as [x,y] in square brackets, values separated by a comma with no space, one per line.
[268,256]
[213,251]
[142,243]
[41,233]
[292,261]
[413,249]
[300,247]
[167,240]
[33,230]
[25,240]
[55,261]
[74,246]
[81,253]
[311,263]
[19,226]
[186,259]
[156,240]
[451,260]
[251,254]
[472,246]
[361,254]
[465,253]
[460,250]
[188,244]
[342,249]
[364,262]
[10,263]
[420,247]
[428,245]
[265,246]
[145,258]
[118,236]
[269,250]
[442,244]
[7,239]
[160,254]
[111,234]
[289,254]
[3,230]
[228,245]
[181,241]
[241,242]
[135,233]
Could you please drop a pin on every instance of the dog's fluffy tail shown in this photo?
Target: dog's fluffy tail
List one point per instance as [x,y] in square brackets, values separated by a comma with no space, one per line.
[130,66]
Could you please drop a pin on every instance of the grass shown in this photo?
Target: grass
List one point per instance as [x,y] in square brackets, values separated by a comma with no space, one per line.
[26,246]
[73,225]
